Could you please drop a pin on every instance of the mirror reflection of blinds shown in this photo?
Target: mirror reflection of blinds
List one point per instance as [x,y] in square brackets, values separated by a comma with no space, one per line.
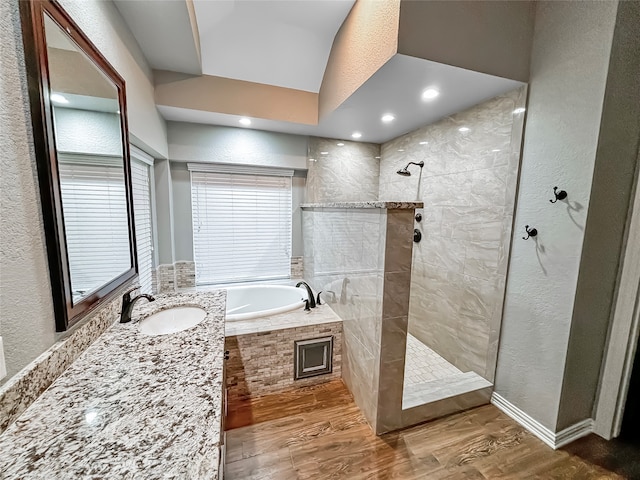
[142,213]
[96,223]
[241,227]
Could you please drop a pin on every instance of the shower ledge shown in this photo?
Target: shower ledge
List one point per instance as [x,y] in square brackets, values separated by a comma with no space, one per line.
[372,204]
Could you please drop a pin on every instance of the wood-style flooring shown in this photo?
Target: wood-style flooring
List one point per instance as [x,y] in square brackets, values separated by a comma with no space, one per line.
[319,433]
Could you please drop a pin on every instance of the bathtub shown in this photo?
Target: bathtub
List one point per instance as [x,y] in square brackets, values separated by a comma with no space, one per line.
[253,301]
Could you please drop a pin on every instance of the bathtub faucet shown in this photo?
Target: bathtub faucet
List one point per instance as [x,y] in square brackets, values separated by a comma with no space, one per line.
[310,299]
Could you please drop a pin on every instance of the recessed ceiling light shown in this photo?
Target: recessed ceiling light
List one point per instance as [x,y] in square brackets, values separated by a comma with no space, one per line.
[430,94]
[463,129]
[57,98]
[324,153]
[423,143]
[519,110]
[245,121]
[356,135]
[388,117]
[495,150]
[340,144]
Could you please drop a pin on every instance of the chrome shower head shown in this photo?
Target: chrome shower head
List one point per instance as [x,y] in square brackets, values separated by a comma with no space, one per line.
[405,170]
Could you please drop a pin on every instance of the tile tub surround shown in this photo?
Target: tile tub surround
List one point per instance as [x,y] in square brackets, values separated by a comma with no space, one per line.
[128,404]
[297,267]
[17,394]
[468,188]
[185,274]
[166,278]
[262,363]
[343,173]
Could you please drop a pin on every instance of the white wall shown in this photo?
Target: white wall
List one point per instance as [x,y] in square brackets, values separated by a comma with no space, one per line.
[570,57]
[105,27]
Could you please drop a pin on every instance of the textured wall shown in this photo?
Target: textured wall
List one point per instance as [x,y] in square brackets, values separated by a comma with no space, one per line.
[367,39]
[27,324]
[468,187]
[347,173]
[83,131]
[189,142]
[570,58]
[609,206]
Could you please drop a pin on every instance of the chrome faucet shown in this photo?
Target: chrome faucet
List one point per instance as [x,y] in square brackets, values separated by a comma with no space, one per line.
[311,301]
[128,302]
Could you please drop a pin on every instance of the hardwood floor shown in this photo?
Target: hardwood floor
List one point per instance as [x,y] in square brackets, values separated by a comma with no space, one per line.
[319,433]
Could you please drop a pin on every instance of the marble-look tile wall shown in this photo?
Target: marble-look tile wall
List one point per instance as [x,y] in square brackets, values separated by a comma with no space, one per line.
[342,173]
[468,188]
[361,260]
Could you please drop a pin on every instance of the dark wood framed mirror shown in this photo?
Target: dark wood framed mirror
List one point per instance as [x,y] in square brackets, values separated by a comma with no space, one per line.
[78,111]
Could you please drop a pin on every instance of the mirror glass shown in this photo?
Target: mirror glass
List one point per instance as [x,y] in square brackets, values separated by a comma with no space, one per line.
[91,167]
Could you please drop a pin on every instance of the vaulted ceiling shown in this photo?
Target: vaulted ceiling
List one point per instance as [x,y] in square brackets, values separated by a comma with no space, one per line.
[329,67]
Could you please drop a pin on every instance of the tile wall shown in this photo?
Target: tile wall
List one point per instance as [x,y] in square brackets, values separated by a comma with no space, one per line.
[342,173]
[361,260]
[468,188]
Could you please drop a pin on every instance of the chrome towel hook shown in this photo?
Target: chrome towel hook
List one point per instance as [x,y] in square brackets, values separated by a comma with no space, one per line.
[560,195]
[531,232]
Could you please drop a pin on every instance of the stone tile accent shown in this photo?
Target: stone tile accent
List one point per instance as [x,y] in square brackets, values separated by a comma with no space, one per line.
[166,278]
[262,363]
[185,274]
[26,386]
[297,267]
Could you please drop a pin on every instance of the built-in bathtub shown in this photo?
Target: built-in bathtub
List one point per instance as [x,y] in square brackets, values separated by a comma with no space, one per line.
[253,301]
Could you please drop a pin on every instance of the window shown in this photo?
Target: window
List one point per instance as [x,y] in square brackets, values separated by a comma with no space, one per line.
[241,223]
[141,180]
[95,220]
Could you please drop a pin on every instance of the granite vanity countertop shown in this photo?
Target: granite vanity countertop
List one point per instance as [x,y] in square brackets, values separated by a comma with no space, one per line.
[388,205]
[131,406]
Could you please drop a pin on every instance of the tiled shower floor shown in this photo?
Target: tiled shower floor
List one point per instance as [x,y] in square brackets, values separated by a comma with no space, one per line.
[428,377]
[424,365]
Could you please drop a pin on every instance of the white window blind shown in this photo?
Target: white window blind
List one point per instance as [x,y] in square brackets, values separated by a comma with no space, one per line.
[95,219]
[140,178]
[241,226]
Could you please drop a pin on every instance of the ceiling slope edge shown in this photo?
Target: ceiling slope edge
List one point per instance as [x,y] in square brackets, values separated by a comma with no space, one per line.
[208,93]
[367,39]
[486,37]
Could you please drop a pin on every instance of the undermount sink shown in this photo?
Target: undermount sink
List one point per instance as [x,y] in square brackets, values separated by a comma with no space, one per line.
[172,320]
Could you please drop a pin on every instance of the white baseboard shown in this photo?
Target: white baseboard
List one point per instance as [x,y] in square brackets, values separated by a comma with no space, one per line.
[552,439]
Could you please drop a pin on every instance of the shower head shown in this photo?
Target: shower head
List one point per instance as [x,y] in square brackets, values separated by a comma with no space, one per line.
[405,170]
